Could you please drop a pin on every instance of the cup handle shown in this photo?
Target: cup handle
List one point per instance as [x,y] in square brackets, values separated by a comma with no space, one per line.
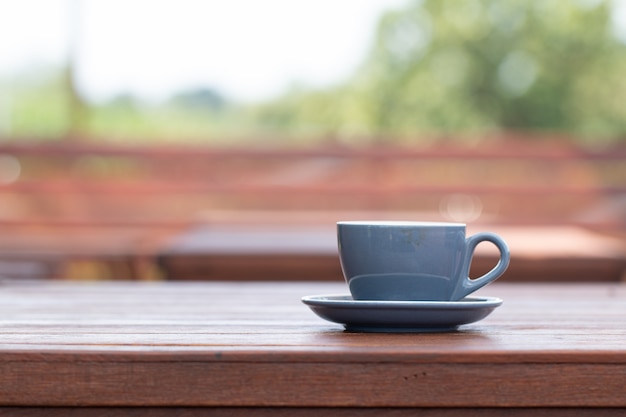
[468,285]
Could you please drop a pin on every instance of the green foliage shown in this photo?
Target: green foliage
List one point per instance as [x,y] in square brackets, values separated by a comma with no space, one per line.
[436,68]
[446,66]
[34,105]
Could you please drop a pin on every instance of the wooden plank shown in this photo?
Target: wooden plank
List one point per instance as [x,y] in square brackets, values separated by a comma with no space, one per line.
[251,344]
[505,146]
[351,384]
[305,412]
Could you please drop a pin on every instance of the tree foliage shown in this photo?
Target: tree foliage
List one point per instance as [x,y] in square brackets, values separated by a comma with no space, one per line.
[449,66]
[435,68]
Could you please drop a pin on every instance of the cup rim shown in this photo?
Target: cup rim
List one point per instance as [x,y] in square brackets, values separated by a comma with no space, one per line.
[398,223]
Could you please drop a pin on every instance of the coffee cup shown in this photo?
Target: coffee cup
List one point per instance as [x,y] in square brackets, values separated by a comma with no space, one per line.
[413,261]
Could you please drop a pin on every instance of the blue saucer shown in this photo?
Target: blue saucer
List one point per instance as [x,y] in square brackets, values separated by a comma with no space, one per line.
[400,316]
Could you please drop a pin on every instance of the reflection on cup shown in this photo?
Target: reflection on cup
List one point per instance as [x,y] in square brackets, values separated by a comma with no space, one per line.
[400,287]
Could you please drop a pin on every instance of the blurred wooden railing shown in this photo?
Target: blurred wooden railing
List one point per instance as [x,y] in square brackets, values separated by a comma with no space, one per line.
[83,201]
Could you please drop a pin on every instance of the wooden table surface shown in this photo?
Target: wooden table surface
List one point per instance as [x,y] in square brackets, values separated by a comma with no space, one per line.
[184,348]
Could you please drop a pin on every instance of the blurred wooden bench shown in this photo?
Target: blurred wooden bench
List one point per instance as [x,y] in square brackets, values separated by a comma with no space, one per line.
[309,252]
[92,250]
[123,202]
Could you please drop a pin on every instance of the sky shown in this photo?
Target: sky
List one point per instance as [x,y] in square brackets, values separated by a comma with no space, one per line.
[248,50]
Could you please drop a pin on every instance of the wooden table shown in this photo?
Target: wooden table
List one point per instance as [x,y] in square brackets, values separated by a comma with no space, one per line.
[129,348]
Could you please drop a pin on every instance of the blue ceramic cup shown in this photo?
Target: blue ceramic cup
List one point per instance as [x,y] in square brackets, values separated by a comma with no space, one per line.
[413,261]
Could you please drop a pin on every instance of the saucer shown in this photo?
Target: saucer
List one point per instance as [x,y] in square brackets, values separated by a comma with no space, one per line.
[400,316]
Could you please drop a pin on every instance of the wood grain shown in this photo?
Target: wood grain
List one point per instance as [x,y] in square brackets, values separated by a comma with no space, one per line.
[250,344]
[303,412]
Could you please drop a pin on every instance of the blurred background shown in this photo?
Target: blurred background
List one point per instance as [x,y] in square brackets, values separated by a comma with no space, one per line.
[222,140]
[350,71]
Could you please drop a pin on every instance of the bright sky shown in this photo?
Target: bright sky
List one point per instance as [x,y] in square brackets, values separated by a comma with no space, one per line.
[247,49]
